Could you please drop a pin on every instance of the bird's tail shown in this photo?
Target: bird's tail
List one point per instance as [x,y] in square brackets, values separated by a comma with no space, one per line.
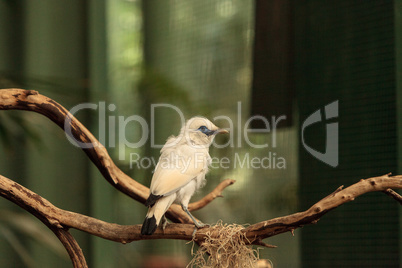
[155,214]
[149,225]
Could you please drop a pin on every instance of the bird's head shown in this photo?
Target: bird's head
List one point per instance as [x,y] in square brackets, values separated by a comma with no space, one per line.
[200,131]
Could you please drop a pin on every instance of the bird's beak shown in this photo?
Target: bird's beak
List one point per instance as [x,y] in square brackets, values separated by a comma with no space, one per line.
[221,131]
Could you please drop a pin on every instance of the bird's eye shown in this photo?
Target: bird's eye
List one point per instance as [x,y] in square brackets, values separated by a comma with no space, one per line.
[202,128]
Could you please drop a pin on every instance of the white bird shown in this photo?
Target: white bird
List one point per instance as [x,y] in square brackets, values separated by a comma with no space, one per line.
[180,171]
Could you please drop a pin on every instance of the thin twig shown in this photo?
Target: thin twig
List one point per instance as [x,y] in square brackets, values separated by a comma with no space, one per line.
[217,192]
[394,195]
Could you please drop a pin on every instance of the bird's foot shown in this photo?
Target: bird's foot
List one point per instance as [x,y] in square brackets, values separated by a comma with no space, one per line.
[198,225]
[193,234]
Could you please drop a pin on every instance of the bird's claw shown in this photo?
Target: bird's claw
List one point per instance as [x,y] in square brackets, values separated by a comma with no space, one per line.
[198,225]
[193,234]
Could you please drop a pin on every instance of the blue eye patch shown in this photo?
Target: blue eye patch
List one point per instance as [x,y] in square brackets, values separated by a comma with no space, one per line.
[206,131]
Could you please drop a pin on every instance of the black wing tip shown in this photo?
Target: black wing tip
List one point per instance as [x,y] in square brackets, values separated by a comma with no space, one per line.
[149,226]
[152,200]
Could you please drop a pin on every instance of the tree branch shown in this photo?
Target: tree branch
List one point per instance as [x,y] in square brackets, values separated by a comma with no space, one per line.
[44,211]
[72,247]
[55,217]
[59,221]
[341,196]
[394,195]
[217,192]
[30,100]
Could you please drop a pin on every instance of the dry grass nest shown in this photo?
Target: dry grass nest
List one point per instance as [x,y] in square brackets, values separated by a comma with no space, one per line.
[227,248]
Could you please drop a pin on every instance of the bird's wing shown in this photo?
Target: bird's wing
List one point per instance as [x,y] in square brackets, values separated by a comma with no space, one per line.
[173,173]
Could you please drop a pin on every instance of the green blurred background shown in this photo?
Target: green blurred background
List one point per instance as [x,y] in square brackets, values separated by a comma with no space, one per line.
[235,58]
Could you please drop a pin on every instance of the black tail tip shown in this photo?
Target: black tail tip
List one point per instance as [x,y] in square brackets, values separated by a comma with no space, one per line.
[149,226]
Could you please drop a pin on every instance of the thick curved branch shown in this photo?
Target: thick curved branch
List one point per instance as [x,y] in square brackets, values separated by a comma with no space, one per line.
[57,218]
[30,100]
[341,196]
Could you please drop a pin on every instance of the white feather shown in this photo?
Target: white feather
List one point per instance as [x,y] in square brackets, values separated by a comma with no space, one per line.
[182,166]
